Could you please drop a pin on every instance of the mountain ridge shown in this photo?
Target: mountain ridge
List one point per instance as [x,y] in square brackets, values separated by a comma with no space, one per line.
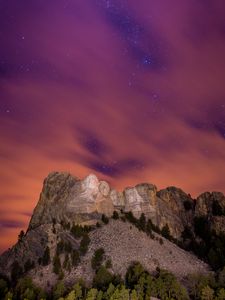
[74,217]
[83,200]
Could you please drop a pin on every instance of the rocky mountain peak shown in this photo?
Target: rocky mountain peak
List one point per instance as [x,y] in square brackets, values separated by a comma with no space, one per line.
[65,197]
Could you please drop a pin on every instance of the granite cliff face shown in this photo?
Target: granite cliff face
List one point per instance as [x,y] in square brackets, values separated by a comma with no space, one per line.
[65,197]
[68,198]
[212,207]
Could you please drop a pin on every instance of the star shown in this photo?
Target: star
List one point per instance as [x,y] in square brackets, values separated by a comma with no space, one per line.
[146,61]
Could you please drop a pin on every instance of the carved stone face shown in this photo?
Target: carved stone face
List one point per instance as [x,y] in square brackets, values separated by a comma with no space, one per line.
[117,198]
[91,181]
[132,196]
[113,196]
[104,188]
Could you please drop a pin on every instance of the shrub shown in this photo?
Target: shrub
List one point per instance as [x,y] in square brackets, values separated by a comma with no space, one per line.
[221,294]
[149,227]
[21,236]
[46,257]
[221,278]
[108,264]
[77,231]
[61,274]
[59,290]
[133,274]
[142,222]
[115,215]
[28,265]
[60,247]
[196,282]
[187,233]
[105,219]
[84,243]
[25,289]
[130,217]
[16,271]
[56,265]
[68,247]
[160,241]
[75,257]
[98,225]
[167,287]
[66,261]
[166,232]
[3,288]
[97,258]
[67,226]
[102,278]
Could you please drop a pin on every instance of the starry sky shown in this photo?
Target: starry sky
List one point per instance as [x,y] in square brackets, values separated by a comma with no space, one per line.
[133,91]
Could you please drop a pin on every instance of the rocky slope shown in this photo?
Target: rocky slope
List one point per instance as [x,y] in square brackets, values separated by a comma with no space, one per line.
[67,200]
[123,244]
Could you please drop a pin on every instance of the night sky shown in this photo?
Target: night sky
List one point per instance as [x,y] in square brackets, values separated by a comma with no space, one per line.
[132,91]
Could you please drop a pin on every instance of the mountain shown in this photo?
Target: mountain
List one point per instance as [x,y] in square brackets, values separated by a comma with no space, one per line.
[68,198]
[73,219]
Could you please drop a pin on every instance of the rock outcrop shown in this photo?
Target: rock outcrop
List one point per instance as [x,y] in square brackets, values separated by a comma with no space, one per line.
[212,207]
[65,197]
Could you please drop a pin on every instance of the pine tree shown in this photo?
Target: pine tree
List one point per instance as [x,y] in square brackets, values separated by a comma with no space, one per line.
[9,296]
[207,293]
[166,232]
[78,291]
[21,236]
[46,257]
[92,294]
[142,222]
[115,215]
[75,257]
[102,278]
[134,295]
[84,243]
[221,294]
[16,271]
[56,265]
[71,296]
[97,258]
[3,288]
[110,291]
[100,295]
[59,290]
[105,219]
